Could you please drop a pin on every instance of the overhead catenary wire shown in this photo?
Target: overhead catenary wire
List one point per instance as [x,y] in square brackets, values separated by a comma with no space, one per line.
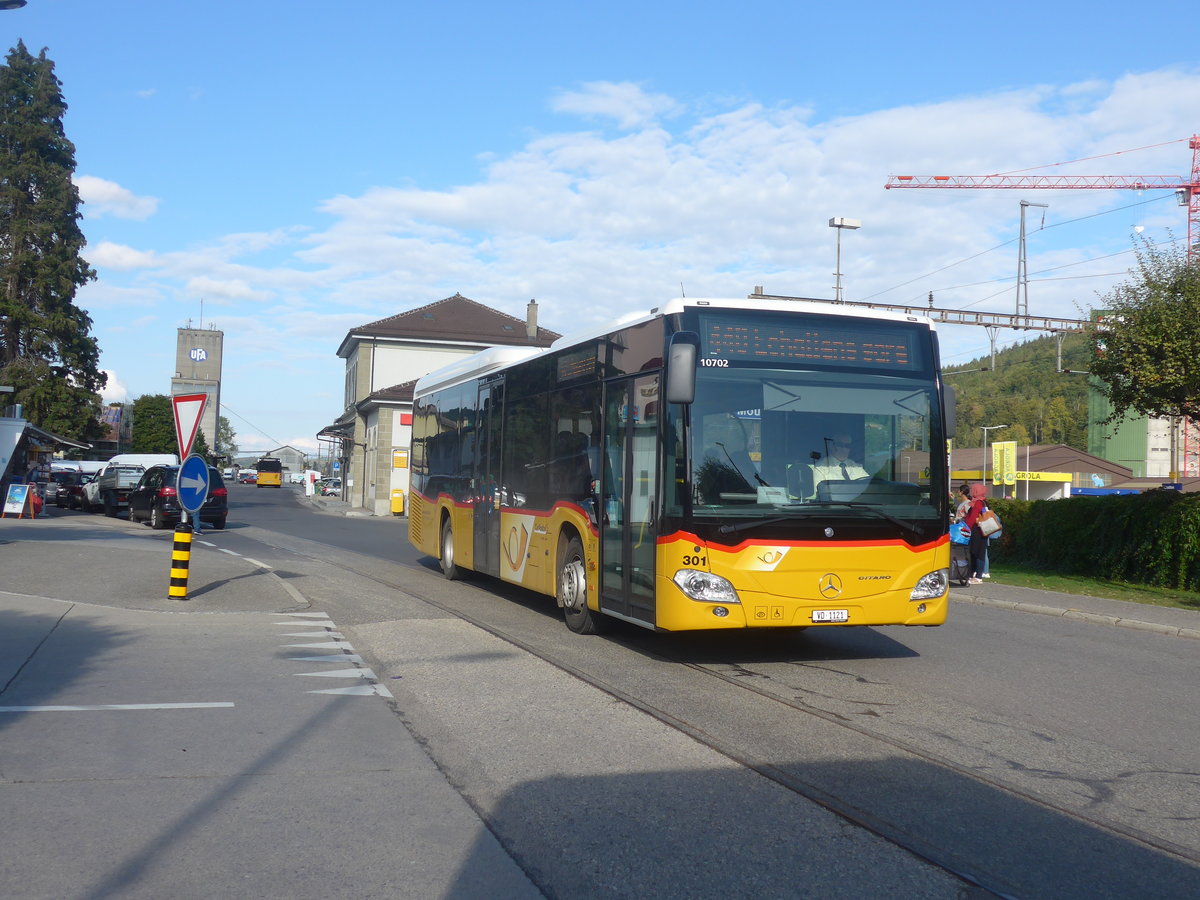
[1014,240]
[226,408]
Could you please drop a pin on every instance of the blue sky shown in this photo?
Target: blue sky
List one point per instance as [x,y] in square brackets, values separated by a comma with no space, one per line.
[303,167]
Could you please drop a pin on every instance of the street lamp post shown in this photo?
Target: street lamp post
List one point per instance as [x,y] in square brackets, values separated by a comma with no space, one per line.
[985,429]
[841,223]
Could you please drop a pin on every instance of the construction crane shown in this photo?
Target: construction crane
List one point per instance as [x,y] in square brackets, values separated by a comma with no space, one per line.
[1187,189]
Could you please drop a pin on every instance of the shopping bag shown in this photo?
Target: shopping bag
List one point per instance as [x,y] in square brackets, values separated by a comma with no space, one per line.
[989,523]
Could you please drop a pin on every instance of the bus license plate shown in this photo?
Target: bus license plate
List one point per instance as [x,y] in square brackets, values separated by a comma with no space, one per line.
[831,615]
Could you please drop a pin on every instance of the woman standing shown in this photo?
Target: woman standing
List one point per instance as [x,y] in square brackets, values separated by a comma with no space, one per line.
[978,547]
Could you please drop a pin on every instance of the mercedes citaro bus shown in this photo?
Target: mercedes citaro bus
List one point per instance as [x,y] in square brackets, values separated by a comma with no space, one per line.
[673,468]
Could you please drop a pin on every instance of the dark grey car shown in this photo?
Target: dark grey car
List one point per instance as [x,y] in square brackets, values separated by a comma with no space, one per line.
[156,500]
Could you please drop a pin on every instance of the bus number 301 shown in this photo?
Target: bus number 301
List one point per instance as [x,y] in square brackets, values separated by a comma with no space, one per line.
[715,363]
[695,561]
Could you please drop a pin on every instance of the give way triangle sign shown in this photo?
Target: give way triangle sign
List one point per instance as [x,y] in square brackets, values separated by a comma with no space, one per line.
[188,409]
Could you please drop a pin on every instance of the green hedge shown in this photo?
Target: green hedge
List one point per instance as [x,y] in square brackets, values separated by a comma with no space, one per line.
[1151,538]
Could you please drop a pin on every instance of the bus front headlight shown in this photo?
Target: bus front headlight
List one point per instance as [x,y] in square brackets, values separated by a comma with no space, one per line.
[932,585]
[705,587]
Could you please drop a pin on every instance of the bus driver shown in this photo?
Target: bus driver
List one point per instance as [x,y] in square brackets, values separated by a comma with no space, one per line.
[837,465]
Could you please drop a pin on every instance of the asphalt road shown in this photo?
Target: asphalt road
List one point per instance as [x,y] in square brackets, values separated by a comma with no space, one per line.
[1091,726]
[1037,756]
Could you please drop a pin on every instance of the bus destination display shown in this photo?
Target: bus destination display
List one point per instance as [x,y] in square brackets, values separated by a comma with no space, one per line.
[792,340]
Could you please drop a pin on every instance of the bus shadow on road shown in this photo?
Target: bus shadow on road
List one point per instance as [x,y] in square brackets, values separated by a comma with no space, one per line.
[730,833]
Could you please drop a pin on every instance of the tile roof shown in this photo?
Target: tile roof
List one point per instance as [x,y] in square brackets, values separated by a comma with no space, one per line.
[457,319]
[395,393]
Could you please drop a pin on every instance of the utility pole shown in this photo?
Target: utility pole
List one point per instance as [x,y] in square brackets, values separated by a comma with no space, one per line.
[1022,265]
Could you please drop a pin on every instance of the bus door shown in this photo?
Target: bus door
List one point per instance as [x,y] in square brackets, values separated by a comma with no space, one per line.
[486,487]
[629,528]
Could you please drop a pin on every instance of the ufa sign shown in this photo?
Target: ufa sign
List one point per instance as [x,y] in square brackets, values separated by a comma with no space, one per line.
[188,409]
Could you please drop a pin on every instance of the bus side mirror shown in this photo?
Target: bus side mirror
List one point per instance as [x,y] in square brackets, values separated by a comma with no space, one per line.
[951,408]
[681,367]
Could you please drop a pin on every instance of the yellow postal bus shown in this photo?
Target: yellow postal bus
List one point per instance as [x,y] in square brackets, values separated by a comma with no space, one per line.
[710,464]
[270,472]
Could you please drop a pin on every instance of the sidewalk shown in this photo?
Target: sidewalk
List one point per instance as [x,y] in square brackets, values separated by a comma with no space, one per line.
[268,792]
[1098,610]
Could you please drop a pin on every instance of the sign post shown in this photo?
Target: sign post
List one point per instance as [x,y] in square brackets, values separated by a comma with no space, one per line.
[188,408]
[192,487]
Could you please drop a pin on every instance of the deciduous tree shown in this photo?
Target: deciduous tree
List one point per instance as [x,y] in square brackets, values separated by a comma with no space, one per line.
[1146,343]
[153,425]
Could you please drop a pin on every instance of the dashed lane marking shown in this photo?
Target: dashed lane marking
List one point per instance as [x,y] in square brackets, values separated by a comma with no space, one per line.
[114,706]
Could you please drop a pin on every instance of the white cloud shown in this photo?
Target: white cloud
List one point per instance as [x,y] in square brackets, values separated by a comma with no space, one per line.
[625,103]
[223,289]
[108,255]
[596,225]
[115,391]
[107,198]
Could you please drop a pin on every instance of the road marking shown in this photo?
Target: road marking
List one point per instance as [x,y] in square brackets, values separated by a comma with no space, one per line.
[114,706]
[359,673]
[362,690]
[338,673]
[336,657]
[314,634]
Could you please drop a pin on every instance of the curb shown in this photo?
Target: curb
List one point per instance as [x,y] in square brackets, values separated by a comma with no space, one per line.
[1081,616]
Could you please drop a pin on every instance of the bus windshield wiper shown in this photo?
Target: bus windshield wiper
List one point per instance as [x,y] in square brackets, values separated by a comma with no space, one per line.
[742,526]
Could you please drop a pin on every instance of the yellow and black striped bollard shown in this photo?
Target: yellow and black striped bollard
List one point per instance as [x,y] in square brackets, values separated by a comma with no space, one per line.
[181,555]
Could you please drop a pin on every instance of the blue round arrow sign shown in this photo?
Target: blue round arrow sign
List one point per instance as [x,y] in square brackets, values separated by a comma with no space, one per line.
[193,483]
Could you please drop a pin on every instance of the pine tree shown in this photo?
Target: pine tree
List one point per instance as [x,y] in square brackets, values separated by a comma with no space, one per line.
[46,351]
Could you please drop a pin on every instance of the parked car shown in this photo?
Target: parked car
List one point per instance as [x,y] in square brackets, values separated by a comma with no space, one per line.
[56,480]
[156,500]
[70,490]
[331,487]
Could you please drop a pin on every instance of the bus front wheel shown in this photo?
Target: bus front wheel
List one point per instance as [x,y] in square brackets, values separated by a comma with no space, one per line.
[449,569]
[572,589]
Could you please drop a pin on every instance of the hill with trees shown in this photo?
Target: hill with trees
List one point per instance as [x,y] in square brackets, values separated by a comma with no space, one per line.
[1025,391]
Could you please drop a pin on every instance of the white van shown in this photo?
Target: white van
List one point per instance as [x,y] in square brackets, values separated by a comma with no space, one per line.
[145,460]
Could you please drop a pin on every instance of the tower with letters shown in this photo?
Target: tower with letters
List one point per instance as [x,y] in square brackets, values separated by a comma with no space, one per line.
[198,354]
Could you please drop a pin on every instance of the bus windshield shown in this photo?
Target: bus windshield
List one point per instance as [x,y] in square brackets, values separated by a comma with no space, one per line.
[267,464]
[784,441]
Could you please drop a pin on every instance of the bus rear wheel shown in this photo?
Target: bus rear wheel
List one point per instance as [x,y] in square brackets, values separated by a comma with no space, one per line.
[449,569]
[572,589]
